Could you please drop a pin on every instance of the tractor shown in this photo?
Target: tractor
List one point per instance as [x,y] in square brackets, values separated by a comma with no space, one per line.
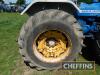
[56,31]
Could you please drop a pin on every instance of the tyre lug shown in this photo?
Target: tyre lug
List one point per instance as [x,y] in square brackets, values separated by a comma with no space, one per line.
[80,53]
[83,45]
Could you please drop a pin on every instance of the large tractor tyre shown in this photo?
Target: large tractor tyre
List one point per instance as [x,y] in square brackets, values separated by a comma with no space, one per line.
[50,37]
[92,51]
[97,47]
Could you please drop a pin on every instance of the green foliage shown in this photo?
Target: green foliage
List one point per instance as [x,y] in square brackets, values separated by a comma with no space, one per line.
[20,2]
[2,1]
[87,1]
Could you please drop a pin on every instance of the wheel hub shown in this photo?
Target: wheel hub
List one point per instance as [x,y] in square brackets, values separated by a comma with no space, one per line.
[53,44]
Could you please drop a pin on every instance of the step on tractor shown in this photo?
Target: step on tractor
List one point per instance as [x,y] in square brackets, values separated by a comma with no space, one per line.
[55,32]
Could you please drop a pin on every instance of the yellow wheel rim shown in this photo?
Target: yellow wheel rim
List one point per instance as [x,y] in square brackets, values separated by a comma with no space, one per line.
[53,45]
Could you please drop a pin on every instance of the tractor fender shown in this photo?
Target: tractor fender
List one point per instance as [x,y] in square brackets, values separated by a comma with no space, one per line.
[70,2]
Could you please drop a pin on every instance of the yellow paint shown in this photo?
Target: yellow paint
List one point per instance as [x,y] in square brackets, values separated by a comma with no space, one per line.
[62,44]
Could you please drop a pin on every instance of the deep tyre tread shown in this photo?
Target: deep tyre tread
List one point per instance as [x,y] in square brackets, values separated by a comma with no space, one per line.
[39,18]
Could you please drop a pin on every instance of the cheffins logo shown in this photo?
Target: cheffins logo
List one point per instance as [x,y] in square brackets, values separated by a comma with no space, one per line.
[78,65]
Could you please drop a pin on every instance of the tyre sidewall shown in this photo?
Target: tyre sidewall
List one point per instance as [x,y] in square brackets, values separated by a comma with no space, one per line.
[52,25]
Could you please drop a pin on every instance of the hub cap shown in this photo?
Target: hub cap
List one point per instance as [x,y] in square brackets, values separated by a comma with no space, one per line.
[52,45]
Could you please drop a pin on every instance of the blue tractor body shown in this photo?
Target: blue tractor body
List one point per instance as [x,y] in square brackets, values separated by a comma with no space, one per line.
[90,9]
[89,17]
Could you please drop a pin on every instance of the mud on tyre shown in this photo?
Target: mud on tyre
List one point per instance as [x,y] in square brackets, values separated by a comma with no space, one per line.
[49,37]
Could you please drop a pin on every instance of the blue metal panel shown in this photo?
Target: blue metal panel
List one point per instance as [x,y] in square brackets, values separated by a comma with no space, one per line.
[89,9]
[88,28]
[94,0]
[93,6]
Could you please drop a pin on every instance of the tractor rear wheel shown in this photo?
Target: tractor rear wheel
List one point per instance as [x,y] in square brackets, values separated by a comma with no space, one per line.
[50,37]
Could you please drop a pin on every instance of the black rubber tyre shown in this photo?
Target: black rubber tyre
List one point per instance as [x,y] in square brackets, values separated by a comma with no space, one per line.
[92,49]
[49,20]
[97,47]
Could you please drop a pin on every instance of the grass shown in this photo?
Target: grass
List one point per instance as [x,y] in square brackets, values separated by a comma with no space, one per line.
[11,62]
[10,25]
